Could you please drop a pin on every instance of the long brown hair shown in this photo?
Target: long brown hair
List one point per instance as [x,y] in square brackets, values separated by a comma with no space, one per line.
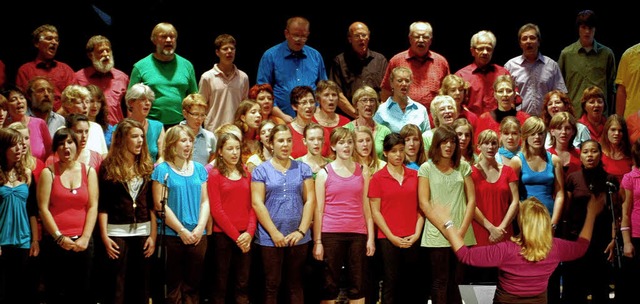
[220,164]
[116,167]
[8,139]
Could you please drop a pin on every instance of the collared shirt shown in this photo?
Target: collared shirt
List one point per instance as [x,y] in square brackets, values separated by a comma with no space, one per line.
[114,86]
[223,94]
[582,69]
[534,80]
[428,73]
[59,73]
[203,146]
[351,72]
[481,97]
[628,75]
[285,70]
[390,115]
[54,121]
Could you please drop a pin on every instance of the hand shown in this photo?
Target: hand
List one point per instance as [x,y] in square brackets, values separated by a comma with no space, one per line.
[34,250]
[610,250]
[371,247]
[293,238]
[318,251]
[113,250]
[81,244]
[279,239]
[629,250]
[244,242]
[496,234]
[149,247]
[287,118]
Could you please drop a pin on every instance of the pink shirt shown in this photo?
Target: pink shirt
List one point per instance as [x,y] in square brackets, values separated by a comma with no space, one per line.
[223,94]
[631,182]
[481,98]
[343,202]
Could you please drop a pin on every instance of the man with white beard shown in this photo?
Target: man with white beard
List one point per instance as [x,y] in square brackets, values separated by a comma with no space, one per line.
[101,73]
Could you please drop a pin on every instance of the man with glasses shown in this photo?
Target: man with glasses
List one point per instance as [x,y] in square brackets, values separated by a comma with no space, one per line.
[428,67]
[482,73]
[357,66]
[45,38]
[289,64]
[169,75]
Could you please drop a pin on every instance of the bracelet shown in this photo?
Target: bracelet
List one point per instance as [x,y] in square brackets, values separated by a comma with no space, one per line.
[448,224]
[182,230]
[60,239]
[301,232]
[554,226]
[625,228]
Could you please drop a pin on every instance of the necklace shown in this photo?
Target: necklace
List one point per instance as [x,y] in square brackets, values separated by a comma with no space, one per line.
[280,167]
[12,176]
[183,169]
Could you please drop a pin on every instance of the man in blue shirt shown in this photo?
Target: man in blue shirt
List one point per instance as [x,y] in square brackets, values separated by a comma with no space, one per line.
[289,64]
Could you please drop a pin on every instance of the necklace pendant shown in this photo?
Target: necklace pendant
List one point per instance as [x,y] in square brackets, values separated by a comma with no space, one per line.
[134,205]
[74,191]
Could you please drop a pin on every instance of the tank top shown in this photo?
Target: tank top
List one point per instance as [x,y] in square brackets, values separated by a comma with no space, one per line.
[343,202]
[69,206]
[538,184]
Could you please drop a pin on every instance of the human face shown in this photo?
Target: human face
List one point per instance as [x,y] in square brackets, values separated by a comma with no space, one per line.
[297,34]
[367,106]
[510,139]
[26,137]
[400,84]
[447,148]
[359,38]
[563,134]
[328,100]
[94,108]
[529,43]
[344,148]
[252,117]
[42,96]
[78,106]
[420,39]
[68,150]
[412,145]
[82,133]
[15,152]
[230,152]
[614,134]
[489,149]
[457,92]
[102,58]
[505,95]
[364,144]
[282,143]
[314,141]
[594,108]
[226,53]
[265,132]
[590,155]
[166,42]
[464,137]
[587,34]
[265,99]
[48,45]
[536,140]
[555,105]
[306,107]
[140,107]
[3,116]
[396,155]
[446,113]
[17,105]
[194,116]
[134,141]
[184,146]
[482,52]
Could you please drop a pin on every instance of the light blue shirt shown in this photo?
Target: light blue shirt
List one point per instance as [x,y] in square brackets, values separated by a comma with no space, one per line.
[390,115]
[284,70]
[203,146]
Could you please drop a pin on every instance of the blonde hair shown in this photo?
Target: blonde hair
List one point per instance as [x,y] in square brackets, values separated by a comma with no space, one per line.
[532,125]
[171,139]
[373,156]
[29,161]
[435,104]
[536,236]
[558,120]
[486,136]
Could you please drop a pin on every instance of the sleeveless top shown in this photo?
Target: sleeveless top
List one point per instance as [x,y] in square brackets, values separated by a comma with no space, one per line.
[343,202]
[15,229]
[537,184]
[69,206]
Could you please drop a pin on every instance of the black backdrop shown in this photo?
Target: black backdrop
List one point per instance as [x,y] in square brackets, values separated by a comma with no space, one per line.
[257,27]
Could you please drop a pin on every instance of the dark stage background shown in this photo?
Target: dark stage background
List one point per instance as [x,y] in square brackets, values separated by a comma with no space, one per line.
[257,27]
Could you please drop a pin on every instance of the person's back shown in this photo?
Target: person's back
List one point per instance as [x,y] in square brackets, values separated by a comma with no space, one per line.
[171,76]
[289,64]
[428,67]
[45,38]
[587,62]
[357,66]
[102,73]
[224,86]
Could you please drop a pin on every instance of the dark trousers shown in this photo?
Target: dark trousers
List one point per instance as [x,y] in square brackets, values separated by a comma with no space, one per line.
[14,280]
[184,268]
[590,274]
[231,268]
[446,275]
[67,274]
[346,250]
[400,274]
[284,266]
[127,276]
[629,277]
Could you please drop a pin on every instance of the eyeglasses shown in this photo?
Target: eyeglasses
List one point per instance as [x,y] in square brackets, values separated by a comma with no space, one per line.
[504,92]
[197,115]
[368,101]
[360,36]
[297,38]
[487,49]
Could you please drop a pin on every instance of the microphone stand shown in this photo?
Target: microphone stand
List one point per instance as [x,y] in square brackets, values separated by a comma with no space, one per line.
[617,259]
[161,242]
